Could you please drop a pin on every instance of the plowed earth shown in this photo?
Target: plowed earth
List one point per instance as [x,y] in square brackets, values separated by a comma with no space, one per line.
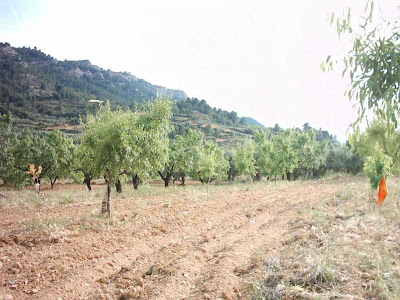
[172,243]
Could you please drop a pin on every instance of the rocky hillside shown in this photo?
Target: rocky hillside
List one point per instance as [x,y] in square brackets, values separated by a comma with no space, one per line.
[37,88]
[46,94]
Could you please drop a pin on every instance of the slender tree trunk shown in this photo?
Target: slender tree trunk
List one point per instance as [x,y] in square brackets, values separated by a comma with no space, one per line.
[258,176]
[106,204]
[118,186]
[109,199]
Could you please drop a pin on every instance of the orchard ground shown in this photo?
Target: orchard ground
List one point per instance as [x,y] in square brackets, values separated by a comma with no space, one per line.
[321,239]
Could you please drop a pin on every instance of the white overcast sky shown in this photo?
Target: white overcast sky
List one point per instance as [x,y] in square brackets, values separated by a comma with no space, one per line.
[258,58]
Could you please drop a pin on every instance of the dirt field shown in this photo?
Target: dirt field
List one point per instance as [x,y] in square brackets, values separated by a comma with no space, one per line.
[173,243]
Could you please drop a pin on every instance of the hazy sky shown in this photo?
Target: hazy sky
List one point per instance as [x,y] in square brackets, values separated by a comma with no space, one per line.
[258,58]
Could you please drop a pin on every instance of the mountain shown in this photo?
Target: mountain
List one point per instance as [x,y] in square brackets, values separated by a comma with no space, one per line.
[34,86]
[251,121]
[44,93]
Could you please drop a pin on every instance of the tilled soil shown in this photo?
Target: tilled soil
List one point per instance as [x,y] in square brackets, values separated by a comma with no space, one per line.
[165,246]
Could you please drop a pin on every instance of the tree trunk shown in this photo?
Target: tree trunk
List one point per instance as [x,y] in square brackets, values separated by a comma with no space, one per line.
[118,186]
[183,179]
[88,180]
[288,176]
[166,179]
[106,199]
[135,181]
[106,204]
[109,199]
[89,183]
[52,182]
[258,176]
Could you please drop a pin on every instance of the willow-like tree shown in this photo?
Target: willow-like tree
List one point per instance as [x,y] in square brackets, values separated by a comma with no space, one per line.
[133,142]
[373,63]
[380,136]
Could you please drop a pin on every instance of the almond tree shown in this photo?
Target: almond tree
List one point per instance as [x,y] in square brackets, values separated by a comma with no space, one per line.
[83,162]
[210,163]
[243,159]
[132,142]
[182,153]
[54,152]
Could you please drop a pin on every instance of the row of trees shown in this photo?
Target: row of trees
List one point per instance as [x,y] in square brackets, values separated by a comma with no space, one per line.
[135,143]
[291,152]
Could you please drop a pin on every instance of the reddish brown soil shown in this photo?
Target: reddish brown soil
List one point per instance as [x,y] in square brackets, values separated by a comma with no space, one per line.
[167,246]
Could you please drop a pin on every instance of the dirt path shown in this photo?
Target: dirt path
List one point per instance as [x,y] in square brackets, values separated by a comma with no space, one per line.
[171,246]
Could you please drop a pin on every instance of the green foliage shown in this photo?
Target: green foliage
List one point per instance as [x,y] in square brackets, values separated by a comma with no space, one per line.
[182,153]
[377,166]
[243,159]
[210,163]
[6,134]
[309,151]
[191,105]
[263,148]
[189,149]
[23,153]
[342,158]
[372,64]
[54,153]
[287,156]
[380,136]
[280,151]
[134,142]
[84,161]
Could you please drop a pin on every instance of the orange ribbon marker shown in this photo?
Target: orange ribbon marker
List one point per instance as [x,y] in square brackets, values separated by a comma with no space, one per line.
[382,191]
